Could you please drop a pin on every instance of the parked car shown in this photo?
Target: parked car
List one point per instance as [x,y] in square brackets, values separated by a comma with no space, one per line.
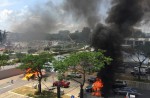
[92,79]
[49,67]
[119,84]
[125,90]
[74,75]
[143,71]
[135,73]
[62,83]
[89,88]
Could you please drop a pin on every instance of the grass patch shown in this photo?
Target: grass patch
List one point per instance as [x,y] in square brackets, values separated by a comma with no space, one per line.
[28,91]
[47,94]
[24,90]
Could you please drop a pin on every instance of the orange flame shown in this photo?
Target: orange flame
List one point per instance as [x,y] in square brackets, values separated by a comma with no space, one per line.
[29,74]
[97,86]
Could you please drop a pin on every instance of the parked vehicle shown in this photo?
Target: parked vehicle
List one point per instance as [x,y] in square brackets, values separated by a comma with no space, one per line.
[125,90]
[130,95]
[119,84]
[49,67]
[143,71]
[74,75]
[92,79]
[89,88]
[62,83]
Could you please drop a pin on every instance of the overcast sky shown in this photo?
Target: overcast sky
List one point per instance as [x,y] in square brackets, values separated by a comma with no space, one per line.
[15,12]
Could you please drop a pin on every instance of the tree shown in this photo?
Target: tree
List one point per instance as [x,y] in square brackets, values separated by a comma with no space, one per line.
[30,51]
[3,60]
[34,64]
[81,62]
[20,56]
[140,54]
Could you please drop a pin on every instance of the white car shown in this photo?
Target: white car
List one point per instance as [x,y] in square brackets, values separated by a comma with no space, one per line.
[49,67]
[74,75]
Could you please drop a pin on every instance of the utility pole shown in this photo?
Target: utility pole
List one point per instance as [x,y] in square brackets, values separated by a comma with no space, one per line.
[58,90]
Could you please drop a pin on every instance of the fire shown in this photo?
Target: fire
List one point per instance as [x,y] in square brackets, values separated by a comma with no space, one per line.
[97,86]
[29,74]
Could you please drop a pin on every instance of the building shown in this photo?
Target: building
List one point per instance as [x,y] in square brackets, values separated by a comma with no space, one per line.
[136,41]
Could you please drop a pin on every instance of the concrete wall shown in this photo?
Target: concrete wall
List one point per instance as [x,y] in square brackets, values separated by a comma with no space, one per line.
[10,72]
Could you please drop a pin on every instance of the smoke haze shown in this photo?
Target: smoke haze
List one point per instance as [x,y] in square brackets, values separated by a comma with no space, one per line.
[87,10]
[37,22]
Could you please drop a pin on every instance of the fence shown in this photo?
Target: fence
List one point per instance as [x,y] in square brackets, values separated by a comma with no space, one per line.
[140,85]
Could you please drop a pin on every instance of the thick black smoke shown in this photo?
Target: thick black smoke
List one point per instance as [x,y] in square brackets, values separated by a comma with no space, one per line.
[125,14]
[84,9]
[122,17]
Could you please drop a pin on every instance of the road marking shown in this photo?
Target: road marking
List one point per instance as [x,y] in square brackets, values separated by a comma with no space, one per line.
[6,86]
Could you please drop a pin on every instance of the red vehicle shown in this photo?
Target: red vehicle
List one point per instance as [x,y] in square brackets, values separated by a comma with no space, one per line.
[62,83]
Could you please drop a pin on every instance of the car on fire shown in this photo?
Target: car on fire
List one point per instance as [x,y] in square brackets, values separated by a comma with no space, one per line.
[62,83]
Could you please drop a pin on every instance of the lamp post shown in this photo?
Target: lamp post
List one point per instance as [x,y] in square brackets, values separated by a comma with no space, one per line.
[58,90]
[58,86]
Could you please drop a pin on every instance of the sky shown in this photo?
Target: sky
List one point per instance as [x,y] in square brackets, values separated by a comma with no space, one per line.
[15,12]
[12,10]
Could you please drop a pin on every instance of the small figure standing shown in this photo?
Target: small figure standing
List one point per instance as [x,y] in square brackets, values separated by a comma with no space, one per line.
[12,81]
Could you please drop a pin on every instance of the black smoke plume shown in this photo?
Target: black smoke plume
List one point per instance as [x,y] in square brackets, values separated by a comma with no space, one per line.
[122,17]
[84,9]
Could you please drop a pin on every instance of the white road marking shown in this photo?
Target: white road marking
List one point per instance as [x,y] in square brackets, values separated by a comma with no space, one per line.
[6,86]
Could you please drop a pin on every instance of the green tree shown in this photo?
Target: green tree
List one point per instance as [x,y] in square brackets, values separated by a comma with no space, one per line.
[3,60]
[36,64]
[20,56]
[81,62]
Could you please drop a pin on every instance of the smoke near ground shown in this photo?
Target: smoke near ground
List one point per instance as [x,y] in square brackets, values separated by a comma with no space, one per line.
[86,10]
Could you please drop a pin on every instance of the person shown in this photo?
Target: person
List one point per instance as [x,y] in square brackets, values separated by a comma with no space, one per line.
[12,81]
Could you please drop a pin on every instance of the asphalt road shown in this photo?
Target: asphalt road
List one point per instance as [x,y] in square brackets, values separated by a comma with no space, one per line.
[6,84]
[72,90]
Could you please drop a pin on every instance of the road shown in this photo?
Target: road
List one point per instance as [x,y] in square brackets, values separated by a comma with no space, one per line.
[6,85]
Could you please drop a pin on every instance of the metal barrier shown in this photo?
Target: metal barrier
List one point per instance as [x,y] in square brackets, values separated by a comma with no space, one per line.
[140,85]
